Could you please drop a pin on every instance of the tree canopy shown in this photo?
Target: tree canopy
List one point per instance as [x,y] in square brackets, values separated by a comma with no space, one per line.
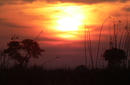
[22,51]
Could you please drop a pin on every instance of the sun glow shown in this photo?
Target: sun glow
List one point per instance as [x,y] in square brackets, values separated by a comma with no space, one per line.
[71,18]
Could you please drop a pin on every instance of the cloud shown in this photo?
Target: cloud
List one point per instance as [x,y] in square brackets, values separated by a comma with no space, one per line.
[29,0]
[2,2]
[5,23]
[126,9]
[49,39]
[86,1]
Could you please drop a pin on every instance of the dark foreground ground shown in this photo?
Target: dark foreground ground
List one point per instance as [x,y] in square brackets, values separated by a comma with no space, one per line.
[79,76]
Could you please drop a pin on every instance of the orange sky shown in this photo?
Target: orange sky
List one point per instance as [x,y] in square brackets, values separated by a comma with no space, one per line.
[62,22]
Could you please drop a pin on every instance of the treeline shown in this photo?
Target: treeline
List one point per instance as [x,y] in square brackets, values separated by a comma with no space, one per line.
[79,76]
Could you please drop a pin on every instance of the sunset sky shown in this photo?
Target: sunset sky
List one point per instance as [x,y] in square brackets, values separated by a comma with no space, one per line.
[62,23]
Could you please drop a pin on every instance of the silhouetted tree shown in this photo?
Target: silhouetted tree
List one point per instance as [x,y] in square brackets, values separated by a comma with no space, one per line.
[114,56]
[22,51]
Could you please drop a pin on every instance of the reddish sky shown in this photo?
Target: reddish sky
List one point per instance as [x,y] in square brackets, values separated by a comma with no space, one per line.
[62,23]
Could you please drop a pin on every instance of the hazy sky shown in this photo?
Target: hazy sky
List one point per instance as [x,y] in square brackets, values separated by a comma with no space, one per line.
[62,23]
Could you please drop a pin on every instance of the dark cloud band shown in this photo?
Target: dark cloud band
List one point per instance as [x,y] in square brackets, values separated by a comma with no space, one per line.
[2,2]
[126,9]
[5,23]
[64,1]
[86,1]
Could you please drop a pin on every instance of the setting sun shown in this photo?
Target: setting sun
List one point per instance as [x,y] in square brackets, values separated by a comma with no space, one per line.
[71,19]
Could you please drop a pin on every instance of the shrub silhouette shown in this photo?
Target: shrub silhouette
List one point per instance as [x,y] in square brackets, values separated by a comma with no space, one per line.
[22,51]
[114,56]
